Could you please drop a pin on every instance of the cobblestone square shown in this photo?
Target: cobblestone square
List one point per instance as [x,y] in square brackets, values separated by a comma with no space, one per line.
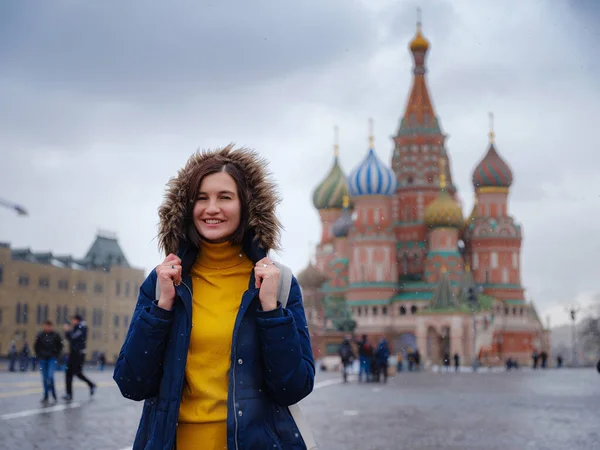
[550,410]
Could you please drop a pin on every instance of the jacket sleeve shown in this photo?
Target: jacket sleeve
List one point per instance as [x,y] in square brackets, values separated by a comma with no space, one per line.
[286,350]
[138,369]
[58,343]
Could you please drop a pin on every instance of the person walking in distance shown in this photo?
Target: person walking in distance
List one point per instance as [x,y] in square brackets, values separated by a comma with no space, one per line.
[48,346]
[219,358]
[76,334]
[347,357]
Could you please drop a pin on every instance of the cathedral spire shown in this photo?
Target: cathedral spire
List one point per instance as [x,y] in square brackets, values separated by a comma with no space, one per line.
[419,116]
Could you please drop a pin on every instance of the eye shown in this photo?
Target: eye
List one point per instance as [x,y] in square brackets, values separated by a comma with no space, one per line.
[225,197]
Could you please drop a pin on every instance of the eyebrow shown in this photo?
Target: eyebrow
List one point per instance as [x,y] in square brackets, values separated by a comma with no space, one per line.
[220,192]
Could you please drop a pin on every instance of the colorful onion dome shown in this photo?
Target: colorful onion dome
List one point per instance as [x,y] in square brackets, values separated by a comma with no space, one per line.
[343,224]
[329,194]
[443,212]
[419,43]
[492,171]
[372,177]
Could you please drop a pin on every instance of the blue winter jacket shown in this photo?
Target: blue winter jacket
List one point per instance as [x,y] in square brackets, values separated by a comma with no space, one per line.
[271,365]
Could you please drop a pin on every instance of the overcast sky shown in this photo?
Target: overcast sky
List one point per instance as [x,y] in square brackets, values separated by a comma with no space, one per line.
[102,102]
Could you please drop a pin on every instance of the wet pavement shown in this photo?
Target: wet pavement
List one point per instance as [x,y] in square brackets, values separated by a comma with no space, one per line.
[550,410]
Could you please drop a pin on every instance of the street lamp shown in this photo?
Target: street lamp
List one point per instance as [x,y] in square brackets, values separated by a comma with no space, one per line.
[573,309]
[20,210]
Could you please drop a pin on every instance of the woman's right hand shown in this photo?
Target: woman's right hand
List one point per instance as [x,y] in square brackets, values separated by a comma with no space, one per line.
[168,274]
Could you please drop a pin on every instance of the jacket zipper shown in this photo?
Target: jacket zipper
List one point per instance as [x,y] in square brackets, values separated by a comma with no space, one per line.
[235,413]
[187,346]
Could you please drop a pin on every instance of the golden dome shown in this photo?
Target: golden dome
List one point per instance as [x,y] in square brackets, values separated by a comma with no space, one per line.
[443,212]
[419,43]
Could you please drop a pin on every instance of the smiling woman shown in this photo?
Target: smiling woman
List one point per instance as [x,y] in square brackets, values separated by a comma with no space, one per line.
[213,348]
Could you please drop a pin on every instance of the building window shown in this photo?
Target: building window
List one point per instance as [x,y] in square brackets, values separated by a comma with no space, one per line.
[118,288]
[515,261]
[1,273]
[98,288]
[384,311]
[126,319]
[475,260]
[494,258]
[127,289]
[18,313]
[44,282]
[505,277]
[46,312]
[58,314]
[413,309]
[23,280]
[65,314]
[39,314]
[0,316]
[63,285]
[402,310]
[81,286]
[116,321]
[25,313]
[375,311]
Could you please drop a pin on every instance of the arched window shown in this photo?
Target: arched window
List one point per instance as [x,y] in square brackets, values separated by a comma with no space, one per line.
[413,309]
[402,310]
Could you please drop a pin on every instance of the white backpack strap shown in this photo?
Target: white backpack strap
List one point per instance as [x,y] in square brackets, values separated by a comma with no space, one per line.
[283,292]
[285,283]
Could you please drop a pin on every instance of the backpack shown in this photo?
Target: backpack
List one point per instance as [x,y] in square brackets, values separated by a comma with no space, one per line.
[283,292]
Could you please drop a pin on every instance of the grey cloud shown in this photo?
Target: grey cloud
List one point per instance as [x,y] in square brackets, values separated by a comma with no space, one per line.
[129,48]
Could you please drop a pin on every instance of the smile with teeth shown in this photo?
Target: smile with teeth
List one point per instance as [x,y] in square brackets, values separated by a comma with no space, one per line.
[213,221]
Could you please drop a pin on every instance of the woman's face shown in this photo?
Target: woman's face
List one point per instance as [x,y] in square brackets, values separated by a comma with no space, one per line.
[217,211]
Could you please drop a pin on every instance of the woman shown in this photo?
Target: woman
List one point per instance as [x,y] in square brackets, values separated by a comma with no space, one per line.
[211,351]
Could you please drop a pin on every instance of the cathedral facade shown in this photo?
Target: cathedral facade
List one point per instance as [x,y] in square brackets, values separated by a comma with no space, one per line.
[397,258]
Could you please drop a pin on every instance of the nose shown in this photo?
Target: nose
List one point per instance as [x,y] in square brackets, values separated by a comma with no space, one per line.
[212,208]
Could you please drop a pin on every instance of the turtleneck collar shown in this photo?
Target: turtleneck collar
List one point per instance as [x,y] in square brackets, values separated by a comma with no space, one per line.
[219,256]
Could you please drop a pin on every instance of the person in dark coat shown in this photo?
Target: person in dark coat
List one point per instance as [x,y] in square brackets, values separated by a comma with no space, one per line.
[456,362]
[76,334]
[382,355]
[48,347]
[25,355]
[347,357]
[210,348]
[13,354]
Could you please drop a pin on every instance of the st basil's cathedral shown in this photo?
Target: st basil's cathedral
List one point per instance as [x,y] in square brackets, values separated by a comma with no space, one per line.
[397,259]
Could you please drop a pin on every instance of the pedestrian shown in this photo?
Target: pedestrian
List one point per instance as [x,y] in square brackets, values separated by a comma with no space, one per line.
[383,356]
[25,355]
[102,361]
[456,362]
[48,346]
[12,357]
[212,350]
[76,334]
[347,357]
[365,354]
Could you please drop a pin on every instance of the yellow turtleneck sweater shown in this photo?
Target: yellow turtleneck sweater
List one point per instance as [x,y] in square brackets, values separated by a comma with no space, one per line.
[219,277]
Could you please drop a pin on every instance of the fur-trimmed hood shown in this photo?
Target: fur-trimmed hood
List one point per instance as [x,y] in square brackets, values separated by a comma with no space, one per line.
[263,226]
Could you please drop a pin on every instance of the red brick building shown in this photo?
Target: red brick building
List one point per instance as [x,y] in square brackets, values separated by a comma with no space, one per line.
[396,252]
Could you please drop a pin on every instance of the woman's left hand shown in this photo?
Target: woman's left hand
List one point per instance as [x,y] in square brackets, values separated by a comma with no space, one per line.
[267,280]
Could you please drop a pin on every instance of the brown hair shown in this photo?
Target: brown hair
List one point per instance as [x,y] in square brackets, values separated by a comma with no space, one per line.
[209,167]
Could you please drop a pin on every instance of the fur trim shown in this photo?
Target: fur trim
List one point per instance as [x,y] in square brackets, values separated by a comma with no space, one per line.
[262,221]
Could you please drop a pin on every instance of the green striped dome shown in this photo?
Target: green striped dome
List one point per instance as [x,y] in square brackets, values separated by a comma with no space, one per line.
[330,193]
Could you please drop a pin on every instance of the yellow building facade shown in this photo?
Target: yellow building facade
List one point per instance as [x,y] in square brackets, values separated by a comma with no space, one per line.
[102,287]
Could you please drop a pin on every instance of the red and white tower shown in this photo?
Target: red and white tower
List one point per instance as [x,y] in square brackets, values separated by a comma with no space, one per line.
[492,236]
[419,145]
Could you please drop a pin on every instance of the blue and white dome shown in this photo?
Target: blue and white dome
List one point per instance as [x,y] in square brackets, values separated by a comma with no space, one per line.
[372,177]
